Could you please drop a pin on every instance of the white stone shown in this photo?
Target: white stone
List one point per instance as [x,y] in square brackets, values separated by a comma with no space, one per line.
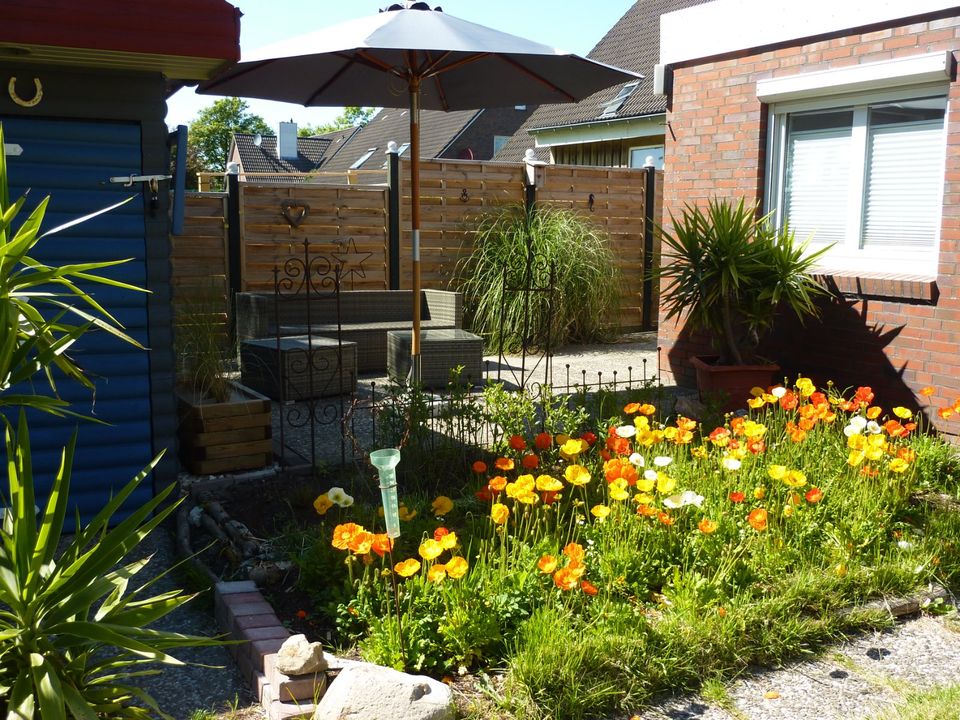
[372,692]
[299,657]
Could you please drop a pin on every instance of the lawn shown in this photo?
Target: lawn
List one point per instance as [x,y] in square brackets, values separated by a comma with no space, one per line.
[599,560]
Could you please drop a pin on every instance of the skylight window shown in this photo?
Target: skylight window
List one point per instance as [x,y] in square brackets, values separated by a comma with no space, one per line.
[363,158]
[609,109]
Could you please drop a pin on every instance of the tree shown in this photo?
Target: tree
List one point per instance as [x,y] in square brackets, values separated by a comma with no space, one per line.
[210,133]
[352,116]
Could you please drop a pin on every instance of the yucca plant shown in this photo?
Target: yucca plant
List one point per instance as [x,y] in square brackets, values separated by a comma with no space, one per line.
[728,271]
[71,635]
[584,301]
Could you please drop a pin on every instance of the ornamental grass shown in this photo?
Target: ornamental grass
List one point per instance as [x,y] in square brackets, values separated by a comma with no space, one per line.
[641,554]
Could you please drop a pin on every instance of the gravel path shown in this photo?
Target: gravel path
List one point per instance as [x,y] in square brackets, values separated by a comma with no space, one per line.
[851,681]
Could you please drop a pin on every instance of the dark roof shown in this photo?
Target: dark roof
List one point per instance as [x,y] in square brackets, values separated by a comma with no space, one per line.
[437,130]
[632,44]
[263,159]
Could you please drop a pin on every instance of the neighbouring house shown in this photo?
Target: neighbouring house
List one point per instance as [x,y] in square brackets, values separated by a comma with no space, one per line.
[84,86]
[621,126]
[460,134]
[285,157]
[843,120]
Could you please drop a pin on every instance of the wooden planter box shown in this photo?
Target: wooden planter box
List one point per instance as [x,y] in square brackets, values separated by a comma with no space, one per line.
[224,437]
[730,384]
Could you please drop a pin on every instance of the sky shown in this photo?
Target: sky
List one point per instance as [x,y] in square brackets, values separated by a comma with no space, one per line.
[576,27]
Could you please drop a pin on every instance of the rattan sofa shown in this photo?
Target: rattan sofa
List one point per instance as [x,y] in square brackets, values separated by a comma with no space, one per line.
[366,317]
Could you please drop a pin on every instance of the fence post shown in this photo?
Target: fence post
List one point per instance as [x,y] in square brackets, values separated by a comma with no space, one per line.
[393,214]
[233,243]
[646,319]
[533,179]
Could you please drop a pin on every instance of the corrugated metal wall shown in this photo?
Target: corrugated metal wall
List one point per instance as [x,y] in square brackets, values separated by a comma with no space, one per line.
[72,160]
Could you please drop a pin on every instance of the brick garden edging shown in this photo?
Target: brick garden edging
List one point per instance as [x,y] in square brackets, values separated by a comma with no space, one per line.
[243,615]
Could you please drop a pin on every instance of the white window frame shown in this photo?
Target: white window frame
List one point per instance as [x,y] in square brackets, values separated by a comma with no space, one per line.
[659,153]
[358,163]
[846,257]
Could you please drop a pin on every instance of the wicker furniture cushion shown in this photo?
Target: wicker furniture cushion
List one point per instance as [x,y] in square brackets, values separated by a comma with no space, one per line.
[304,368]
[440,351]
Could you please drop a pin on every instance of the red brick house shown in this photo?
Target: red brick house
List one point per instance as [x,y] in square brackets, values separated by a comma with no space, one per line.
[843,119]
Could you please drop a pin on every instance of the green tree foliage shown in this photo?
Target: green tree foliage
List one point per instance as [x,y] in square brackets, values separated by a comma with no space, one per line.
[210,133]
[352,116]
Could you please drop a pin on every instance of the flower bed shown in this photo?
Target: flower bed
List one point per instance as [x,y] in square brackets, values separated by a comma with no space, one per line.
[603,565]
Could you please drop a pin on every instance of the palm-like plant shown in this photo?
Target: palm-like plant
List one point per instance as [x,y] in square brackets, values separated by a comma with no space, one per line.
[729,271]
[71,635]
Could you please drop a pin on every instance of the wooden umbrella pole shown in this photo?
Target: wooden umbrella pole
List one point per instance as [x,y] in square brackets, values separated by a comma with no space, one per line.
[415,222]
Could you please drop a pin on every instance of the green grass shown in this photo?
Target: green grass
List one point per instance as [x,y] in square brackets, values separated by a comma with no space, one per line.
[937,704]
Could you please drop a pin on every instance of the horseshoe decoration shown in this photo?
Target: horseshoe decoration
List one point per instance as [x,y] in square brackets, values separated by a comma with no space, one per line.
[32,102]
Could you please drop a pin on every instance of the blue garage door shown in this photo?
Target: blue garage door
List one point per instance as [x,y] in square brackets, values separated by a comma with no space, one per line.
[72,162]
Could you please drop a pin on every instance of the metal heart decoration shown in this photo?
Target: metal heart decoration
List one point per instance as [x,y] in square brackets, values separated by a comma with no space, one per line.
[295,212]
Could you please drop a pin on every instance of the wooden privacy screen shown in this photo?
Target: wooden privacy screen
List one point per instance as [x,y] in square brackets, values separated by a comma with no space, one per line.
[353,220]
[452,194]
[338,219]
[198,256]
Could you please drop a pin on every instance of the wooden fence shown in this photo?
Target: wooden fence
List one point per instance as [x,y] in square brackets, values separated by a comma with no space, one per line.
[352,221]
[348,221]
[199,255]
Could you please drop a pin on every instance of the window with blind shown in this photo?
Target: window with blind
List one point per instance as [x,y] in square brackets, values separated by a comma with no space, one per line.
[865,177]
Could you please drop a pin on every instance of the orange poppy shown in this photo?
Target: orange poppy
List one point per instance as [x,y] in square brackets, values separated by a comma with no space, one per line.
[503,464]
[814,495]
[707,526]
[343,535]
[479,467]
[758,519]
[927,391]
[588,588]
[737,496]
[631,408]
[382,544]
[646,409]
[574,551]
[665,518]
[789,400]
[566,578]
[497,483]
[646,510]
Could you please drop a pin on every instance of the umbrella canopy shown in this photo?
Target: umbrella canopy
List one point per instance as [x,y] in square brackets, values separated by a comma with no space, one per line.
[412,54]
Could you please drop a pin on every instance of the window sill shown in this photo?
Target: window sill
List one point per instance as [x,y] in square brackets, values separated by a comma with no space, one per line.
[890,286]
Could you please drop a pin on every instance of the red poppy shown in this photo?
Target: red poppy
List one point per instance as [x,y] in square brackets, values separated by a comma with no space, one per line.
[543,441]
[479,467]
[737,496]
[818,398]
[302,614]
[549,497]
[814,495]
[588,587]
[517,442]
[719,434]
[484,494]
[439,533]
[589,437]
[756,446]
[530,461]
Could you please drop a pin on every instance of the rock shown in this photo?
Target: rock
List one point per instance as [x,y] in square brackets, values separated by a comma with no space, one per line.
[690,406]
[372,692]
[299,657]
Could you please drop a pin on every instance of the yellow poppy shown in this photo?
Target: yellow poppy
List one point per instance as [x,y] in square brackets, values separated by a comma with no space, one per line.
[576,475]
[457,568]
[322,504]
[600,511]
[437,573]
[408,567]
[430,549]
[499,513]
[442,505]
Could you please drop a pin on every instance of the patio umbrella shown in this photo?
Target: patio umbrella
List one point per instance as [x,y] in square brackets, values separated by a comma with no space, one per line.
[412,53]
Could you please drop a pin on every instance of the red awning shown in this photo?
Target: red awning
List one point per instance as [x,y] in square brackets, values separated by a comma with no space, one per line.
[183,39]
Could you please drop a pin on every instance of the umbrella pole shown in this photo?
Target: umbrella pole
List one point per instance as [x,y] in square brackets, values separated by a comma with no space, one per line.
[415,375]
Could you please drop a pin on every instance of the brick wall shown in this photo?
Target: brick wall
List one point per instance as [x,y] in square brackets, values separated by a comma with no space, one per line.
[897,335]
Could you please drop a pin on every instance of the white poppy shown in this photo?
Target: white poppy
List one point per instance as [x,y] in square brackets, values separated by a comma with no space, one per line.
[649,474]
[730,463]
[858,421]
[778,392]
[636,459]
[873,427]
[687,497]
[337,496]
[626,431]
[662,460]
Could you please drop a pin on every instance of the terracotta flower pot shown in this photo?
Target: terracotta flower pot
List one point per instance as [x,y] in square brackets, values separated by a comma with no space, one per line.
[730,385]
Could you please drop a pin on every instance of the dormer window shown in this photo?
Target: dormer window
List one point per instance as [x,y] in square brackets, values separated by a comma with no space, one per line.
[609,109]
